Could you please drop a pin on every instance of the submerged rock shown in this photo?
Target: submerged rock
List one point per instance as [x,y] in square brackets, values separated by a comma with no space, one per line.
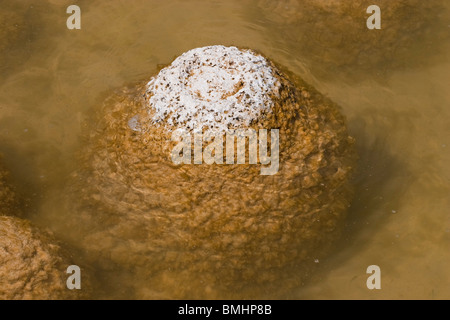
[213,230]
[32,265]
[332,34]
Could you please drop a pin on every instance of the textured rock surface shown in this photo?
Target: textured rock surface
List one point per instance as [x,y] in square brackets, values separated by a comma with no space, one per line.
[32,265]
[214,87]
[214,231]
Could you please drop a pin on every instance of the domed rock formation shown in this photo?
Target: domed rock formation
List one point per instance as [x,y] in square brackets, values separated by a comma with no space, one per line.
[214,230]
[333,35]
[32,265]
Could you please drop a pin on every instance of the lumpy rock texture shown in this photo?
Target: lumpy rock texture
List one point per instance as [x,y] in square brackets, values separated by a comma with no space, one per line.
[213,231]
[32,263]
[32,266]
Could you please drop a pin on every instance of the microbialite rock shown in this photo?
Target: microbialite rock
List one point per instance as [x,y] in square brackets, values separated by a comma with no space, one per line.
[218,230]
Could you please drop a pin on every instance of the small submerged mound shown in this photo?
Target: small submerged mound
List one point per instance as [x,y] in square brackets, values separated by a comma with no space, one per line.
[214,230]
[332,34]
[32,265]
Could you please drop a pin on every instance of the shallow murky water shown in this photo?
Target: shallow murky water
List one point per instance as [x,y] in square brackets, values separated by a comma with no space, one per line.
[55,78]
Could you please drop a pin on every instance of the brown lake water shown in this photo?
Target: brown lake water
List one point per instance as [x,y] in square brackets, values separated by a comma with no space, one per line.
[397,106]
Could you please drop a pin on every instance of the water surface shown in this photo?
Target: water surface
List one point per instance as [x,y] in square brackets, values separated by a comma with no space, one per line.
[400,219]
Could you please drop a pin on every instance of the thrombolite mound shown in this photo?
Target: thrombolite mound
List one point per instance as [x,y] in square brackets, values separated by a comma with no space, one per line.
[219,230]
[32,265]
[332,34]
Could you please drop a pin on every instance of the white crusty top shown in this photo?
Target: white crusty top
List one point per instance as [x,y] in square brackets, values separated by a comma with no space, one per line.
[215,87]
